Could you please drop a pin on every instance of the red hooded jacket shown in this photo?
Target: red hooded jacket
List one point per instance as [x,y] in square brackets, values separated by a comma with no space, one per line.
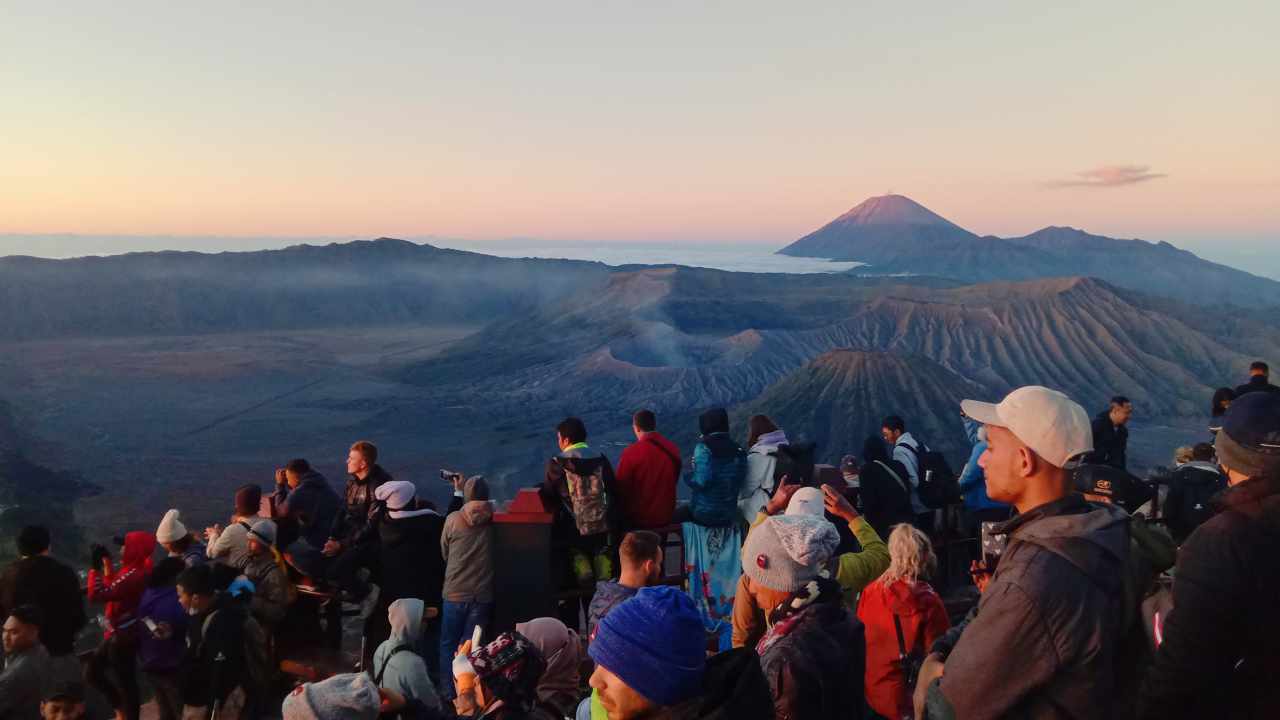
[923,618]
[121,588]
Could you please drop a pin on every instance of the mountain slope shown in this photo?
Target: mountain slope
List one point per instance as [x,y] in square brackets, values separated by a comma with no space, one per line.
[895,235]
[707,338]
[839,399]
[381,282]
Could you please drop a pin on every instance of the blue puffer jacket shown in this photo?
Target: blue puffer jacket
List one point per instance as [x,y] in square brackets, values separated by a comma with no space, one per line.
[973,481]
[719,469]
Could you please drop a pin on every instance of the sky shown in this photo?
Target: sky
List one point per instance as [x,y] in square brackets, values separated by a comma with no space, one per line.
[624,122]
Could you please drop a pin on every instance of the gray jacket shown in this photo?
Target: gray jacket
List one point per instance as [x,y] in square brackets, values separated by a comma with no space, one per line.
[467,547]
[1045,635]
[22,683]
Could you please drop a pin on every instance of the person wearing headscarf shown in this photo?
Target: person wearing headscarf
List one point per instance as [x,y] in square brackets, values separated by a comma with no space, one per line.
[498,681]
[558,692]
[396,663]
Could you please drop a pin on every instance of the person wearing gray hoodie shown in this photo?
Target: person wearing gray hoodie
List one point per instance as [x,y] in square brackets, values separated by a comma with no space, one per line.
[1045,636]
[396,663]
[467,547]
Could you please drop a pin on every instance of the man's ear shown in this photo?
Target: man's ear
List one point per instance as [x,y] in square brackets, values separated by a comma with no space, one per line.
[1027,462]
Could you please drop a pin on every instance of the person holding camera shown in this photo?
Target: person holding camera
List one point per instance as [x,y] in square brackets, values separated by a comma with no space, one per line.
[112,667]
[303,498]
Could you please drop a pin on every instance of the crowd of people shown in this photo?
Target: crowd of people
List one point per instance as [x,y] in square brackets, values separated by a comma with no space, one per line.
[808,591]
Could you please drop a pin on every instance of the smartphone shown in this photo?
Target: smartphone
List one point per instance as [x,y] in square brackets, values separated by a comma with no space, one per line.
[475,638]
[151,625]
[993,545]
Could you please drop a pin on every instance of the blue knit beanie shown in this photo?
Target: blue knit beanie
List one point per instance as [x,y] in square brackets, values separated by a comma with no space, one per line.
[656,644]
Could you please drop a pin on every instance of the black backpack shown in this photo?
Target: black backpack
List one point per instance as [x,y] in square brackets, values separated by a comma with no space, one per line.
[796,460]
[1188,502]
[939,485]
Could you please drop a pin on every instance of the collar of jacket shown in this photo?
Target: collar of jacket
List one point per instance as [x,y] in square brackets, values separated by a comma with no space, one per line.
[576,446]
[1073,502]
[1247,492]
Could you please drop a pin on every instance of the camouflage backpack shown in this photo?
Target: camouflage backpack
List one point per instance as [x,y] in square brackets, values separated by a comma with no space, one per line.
[588,498]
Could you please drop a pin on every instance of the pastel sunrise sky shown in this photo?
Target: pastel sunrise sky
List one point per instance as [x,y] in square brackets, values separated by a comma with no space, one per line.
[638,121]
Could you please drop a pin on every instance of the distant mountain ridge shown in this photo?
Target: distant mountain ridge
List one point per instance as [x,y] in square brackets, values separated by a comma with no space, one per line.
[373,282]
[896,235]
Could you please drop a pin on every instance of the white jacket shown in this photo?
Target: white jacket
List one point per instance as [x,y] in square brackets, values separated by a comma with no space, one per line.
[758,486]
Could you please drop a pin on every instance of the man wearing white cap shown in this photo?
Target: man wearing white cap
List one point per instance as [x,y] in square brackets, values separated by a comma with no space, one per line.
[1044,638]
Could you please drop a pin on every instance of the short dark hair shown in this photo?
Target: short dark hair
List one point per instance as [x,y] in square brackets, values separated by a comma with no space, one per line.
[298,466]
[572,429]
[640,546]
[893,422]
[1202,452]
[33,540]
[367,450]
[645,421]
[28,615]
[1120,401]
[197,580]
[1259,366]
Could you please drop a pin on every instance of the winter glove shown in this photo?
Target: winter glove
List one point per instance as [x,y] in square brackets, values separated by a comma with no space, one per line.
[464,675]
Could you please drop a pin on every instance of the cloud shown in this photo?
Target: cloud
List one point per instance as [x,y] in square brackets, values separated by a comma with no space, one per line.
[1108,176]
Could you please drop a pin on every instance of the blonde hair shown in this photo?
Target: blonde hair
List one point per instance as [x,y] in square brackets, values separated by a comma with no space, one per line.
[911,555]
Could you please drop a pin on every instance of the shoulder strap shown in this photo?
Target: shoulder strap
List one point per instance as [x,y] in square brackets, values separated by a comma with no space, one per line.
[895,476]
[244,525]
[668,453]
[377,679]
[902,643]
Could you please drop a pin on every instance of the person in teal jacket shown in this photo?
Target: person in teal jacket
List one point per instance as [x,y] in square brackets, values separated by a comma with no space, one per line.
[719,469]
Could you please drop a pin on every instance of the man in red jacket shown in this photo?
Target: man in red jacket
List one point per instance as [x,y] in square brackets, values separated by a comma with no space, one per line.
[647,475]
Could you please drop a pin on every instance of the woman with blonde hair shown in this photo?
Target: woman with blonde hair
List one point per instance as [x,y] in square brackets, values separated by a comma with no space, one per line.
[903,615]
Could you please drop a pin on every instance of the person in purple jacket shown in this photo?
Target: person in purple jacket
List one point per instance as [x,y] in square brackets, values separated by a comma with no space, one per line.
[162,642]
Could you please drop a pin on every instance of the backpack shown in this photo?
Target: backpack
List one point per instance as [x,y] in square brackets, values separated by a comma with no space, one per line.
[1193,506]
[260,671]
[588,497]
[1146,598]
[796,460]
[939,486]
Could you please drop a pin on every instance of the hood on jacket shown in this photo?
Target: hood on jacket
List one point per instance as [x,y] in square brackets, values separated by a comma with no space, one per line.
[475,489]
[903,597]
[770,440]
[1092,537]
[311,477]
[138,547]
[400,499]
[405,616]
[1204,472]
[715,420]
[477,512]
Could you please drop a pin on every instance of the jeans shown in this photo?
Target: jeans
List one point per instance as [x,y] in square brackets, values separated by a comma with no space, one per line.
[457,622]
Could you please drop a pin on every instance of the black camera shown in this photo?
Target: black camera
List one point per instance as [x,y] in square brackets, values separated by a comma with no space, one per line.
[449,475]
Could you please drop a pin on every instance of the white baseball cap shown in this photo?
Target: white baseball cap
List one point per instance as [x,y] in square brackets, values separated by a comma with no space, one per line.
[1047,421]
